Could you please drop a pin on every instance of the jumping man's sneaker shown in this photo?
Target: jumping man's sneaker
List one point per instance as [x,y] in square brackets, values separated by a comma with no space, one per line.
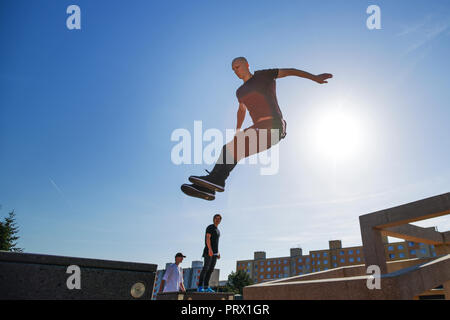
[200,289]
[210,181]
[209,289]
[198,192]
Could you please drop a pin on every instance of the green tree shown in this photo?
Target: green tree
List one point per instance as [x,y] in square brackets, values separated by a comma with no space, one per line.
[237,281]
[8,233]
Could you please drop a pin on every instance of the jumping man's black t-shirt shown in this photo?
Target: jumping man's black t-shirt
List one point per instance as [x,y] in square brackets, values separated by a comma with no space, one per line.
[215,234]
[259,95]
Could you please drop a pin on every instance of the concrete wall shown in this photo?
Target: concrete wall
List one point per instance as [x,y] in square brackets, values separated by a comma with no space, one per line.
[36,276]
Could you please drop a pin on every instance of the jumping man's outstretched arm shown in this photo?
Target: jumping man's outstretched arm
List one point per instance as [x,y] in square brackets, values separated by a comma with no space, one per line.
[320,78]
[241,115]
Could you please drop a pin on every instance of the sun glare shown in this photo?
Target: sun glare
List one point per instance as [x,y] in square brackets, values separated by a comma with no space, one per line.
[338,134]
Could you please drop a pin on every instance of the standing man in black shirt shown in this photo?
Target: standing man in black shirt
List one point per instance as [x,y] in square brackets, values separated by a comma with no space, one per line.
[210,254]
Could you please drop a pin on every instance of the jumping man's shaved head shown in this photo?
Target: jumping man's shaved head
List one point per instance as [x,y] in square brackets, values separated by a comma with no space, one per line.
[239,59]
[241,68]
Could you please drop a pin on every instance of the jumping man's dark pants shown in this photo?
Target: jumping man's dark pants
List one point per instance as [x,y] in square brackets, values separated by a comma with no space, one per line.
[262,140]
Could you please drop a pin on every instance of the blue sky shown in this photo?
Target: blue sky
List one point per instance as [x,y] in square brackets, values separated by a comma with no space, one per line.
[86,118]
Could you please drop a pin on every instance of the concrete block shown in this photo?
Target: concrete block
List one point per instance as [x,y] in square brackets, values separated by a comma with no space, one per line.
[36,276]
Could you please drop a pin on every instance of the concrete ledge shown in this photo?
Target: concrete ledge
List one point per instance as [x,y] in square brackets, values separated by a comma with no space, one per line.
[195,296]
[350,271]
[66,261]
[414,233]
[414,211]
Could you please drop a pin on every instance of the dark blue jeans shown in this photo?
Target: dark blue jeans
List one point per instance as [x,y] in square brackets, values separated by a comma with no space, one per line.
[208,268]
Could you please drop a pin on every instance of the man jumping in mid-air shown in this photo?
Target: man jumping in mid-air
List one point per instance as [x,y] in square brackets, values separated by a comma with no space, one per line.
[258,96]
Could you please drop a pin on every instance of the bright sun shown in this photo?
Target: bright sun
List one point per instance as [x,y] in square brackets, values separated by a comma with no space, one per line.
[338,134]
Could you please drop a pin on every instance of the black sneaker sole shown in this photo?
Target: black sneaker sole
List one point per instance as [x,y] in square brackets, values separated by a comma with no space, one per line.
[206,184]
[193,192]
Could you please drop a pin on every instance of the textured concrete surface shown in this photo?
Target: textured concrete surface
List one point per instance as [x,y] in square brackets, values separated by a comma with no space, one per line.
[36,276]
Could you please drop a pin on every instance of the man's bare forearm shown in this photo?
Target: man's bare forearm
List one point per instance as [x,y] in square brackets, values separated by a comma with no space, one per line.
[208,243]
[240,118]
[302,74]
[319,78]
